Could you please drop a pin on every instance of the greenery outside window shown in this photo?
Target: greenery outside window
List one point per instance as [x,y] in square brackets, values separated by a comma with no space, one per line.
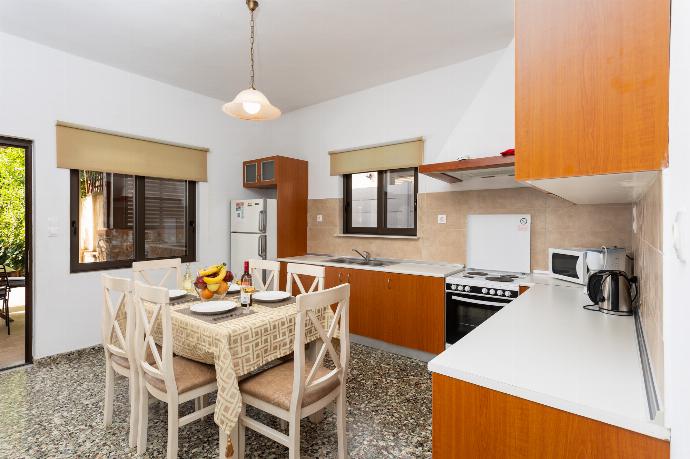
[117,219]
[381,202]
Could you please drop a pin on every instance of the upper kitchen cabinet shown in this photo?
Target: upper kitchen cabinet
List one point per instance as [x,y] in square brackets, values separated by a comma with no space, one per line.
[290,178]
[591,96]
[260,173]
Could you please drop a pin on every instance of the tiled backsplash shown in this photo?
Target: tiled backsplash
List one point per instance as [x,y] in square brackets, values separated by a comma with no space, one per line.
[647,246]
[555,223]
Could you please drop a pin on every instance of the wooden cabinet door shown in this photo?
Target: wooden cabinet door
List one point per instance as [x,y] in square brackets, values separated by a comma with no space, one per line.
[250,173]
[591,90]
[267,171]
[416,310]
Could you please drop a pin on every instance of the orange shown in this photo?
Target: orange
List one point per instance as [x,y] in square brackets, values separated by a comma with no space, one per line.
[206,294]
[223,287]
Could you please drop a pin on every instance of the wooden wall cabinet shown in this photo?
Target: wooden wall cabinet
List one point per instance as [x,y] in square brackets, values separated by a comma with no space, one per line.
[262,172]
[473,421]
[400,309]
[591,89]
[290,178]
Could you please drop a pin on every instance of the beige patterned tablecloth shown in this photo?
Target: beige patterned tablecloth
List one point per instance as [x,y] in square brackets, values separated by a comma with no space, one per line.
[237,347]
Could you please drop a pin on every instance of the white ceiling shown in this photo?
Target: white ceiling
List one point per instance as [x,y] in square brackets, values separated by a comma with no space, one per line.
[307,51]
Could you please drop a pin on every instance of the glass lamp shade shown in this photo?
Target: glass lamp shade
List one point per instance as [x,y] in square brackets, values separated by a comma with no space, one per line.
[252,105]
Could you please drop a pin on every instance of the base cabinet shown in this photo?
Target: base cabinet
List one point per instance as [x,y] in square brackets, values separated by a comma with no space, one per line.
[472,421]
[400,309]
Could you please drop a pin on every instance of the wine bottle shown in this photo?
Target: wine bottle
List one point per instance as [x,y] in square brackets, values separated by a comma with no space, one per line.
[246,287]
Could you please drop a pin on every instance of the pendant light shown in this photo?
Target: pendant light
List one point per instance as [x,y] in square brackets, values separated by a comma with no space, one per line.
[251,104]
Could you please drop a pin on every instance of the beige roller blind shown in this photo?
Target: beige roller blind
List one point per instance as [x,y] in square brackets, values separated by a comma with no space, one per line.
[397,155]
[85,149]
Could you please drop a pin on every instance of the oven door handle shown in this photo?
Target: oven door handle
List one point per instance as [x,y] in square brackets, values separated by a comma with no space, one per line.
[471,300]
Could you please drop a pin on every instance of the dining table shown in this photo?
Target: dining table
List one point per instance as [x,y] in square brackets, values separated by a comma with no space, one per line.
[237,343]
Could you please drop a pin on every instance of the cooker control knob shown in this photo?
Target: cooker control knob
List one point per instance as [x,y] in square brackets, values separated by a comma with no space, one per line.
[485,290]
[507,293]
[453,287]
[492,292]
[499,292]
[467,288]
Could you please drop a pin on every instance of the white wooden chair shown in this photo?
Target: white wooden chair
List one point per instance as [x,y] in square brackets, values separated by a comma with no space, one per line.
[119,347]
[174,380]
[297,389]
[147,271]
[294,270]
[272,270]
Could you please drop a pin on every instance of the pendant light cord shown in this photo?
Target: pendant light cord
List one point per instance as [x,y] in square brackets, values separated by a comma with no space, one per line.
[251,48]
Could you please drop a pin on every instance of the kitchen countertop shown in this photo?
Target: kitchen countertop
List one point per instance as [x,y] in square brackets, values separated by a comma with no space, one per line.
[417,268]
[544,347]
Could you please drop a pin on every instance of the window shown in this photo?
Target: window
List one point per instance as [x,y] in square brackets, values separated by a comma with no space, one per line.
[381,202]
[117,219]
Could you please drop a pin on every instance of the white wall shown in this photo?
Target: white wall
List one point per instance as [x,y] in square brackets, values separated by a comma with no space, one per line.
[40,85]
[466,108]
[676,273]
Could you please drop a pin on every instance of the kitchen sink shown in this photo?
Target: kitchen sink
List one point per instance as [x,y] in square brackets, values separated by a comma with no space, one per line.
[360,261]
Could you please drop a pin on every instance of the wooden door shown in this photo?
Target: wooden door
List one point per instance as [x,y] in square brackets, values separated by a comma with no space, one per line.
[591,92]
[415,307]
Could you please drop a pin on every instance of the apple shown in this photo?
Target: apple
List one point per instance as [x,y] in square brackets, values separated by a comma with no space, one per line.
[228,277]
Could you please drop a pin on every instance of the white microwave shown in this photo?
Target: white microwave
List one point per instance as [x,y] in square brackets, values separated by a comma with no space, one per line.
[575,265]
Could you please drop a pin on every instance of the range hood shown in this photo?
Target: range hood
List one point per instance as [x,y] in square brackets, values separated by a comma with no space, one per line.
[465,169]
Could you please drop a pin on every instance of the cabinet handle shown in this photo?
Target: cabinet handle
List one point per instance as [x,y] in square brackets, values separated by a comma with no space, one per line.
[340,277]
[389,283]
[348,278]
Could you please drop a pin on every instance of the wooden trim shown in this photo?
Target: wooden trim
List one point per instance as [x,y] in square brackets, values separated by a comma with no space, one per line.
[439,170]
[473,421]
[29,282]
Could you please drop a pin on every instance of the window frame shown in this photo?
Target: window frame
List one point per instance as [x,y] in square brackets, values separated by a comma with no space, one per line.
[139,228]
[381,207]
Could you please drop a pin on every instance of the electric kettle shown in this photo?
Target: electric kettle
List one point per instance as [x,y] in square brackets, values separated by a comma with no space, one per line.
[612,292]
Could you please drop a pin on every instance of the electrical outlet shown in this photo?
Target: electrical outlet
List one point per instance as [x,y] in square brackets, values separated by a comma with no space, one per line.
[442,219]
[319,218]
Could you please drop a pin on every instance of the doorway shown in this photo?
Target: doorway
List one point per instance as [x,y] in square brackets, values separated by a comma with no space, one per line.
[16,268]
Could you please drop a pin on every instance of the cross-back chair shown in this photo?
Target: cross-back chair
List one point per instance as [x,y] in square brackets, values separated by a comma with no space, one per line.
[271,269]
[147,271]
[171,379]
[118,328]
[295,270]
[297,389]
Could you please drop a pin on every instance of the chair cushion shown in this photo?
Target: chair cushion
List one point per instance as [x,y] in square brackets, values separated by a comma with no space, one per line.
[274,385]
[189,375]
[124,362]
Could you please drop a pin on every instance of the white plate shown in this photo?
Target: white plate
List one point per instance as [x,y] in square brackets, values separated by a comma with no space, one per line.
[213,307]
[233,288]
[176,293]
[271,296]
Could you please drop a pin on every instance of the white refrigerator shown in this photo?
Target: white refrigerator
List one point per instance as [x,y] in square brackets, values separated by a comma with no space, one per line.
[253,231]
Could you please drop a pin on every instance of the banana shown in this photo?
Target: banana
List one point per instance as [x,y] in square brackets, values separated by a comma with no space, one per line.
[210,270]
[218,277]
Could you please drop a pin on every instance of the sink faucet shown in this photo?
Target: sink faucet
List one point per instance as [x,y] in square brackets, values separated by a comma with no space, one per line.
[366,255]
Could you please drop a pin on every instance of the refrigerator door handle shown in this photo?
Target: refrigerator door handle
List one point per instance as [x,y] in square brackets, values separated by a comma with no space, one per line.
[262,221]
[262,246]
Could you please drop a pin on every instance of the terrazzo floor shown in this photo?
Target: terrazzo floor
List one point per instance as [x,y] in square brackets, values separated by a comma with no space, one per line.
[54,409]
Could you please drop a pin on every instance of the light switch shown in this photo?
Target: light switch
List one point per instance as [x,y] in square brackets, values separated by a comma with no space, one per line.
[319,218]
[442,219]
[53,228]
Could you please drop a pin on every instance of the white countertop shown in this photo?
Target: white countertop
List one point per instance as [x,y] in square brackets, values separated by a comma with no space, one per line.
[416,268]
[545,348]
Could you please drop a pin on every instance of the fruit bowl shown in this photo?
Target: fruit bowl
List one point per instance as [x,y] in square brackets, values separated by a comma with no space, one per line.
[212,283]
